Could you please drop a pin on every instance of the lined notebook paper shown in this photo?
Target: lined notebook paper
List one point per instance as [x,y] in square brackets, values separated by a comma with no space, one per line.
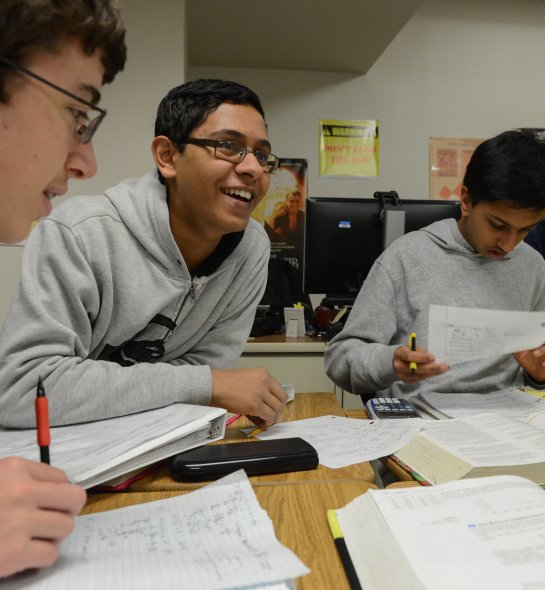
[216,537]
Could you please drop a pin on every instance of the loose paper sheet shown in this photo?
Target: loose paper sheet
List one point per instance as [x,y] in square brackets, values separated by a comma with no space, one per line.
[216,537]
[458,334]
[344,441]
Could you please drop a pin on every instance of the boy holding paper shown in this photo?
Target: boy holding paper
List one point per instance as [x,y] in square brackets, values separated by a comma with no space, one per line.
[478,261]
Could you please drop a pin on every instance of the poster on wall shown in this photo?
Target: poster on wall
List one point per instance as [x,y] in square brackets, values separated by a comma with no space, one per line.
[282,211]
[349,148]
[449,157]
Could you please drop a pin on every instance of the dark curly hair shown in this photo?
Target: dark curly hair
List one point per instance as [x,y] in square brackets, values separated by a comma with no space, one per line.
[30,26]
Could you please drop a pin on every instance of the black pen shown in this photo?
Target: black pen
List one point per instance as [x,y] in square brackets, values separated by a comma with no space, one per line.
[42,422]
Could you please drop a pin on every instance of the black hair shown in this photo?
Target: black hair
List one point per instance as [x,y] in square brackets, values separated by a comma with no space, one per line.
[509,167]
[187,106]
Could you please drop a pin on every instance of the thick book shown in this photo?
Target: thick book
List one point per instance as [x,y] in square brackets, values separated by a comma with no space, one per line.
[512,402]
[477,446]
[472,534]
[95,452]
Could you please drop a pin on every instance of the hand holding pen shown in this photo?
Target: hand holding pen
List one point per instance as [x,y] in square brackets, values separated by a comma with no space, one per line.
[37,504]
[412,363]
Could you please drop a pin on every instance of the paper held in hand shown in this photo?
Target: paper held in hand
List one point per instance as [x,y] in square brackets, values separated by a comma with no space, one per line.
[458,334]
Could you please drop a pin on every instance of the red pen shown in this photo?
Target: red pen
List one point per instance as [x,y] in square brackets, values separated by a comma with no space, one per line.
[42,422]
[231,419]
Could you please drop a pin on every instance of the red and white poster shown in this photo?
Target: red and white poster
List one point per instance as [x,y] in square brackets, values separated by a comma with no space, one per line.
[449,157]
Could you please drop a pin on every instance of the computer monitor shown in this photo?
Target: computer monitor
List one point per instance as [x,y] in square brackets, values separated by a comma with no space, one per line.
[344,237]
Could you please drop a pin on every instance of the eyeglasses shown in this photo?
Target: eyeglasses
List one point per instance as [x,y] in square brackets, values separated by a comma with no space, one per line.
[236,152]
[85,126]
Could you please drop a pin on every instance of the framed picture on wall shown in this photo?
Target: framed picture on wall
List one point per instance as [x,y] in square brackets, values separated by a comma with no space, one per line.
[449,157]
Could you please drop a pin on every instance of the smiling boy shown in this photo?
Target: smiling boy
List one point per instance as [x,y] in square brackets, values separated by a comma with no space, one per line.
[478,261]
[145,296]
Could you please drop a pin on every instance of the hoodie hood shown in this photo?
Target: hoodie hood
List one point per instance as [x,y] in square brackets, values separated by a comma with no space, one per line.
[446,234]
[141,203]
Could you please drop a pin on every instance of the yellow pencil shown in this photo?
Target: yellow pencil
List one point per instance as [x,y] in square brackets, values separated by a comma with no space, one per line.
[412,345]
[256,431]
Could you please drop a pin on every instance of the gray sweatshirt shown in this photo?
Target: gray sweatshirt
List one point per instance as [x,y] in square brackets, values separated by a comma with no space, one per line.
[434,265]
[109,316]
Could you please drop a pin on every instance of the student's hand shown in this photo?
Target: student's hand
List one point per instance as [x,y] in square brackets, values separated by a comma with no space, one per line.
[426,366]
[252,392]
[37,509]
[533,362]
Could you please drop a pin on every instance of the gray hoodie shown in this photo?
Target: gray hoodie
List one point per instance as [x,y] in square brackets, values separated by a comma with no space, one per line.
[434,265]
[109,316]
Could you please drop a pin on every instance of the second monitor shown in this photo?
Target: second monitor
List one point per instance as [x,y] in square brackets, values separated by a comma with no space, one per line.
[344,237]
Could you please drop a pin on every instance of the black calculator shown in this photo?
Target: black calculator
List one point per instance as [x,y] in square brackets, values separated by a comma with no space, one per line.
[390,407]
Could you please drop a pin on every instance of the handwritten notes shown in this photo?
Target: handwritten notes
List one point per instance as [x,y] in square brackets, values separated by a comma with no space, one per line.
[216,537]
[457,334]
[344,441]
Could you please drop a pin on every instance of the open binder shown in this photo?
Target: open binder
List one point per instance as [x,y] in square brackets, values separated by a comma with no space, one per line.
[95,452]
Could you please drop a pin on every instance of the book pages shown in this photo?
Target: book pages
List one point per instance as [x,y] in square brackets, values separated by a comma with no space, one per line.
[472,534]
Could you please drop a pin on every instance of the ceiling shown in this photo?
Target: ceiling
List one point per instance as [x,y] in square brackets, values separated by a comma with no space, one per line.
[323,35]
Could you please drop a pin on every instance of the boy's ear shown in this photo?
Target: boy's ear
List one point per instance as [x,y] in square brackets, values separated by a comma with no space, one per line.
[163,151]
[465,201]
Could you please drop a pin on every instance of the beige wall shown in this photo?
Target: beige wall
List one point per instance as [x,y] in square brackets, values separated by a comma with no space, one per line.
[458,68]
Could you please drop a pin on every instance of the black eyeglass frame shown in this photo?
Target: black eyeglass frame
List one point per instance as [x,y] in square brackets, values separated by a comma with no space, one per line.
[92,125]
[215,143]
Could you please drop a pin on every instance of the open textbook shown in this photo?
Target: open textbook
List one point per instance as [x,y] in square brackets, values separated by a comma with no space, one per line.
[476,446]
[473,534]
[95,452]
[511,402]
[216,537]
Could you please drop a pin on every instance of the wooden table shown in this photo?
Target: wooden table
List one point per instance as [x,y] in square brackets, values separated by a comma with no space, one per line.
[305,405]
[298,511]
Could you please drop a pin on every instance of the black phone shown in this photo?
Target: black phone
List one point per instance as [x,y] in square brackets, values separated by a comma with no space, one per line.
[256,458]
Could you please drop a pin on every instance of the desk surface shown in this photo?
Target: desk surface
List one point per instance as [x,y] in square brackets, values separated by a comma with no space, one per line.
[305,405]
[279,344]
[299,516]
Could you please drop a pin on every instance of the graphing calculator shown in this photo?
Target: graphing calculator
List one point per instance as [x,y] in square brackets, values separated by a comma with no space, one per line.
[390,407]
